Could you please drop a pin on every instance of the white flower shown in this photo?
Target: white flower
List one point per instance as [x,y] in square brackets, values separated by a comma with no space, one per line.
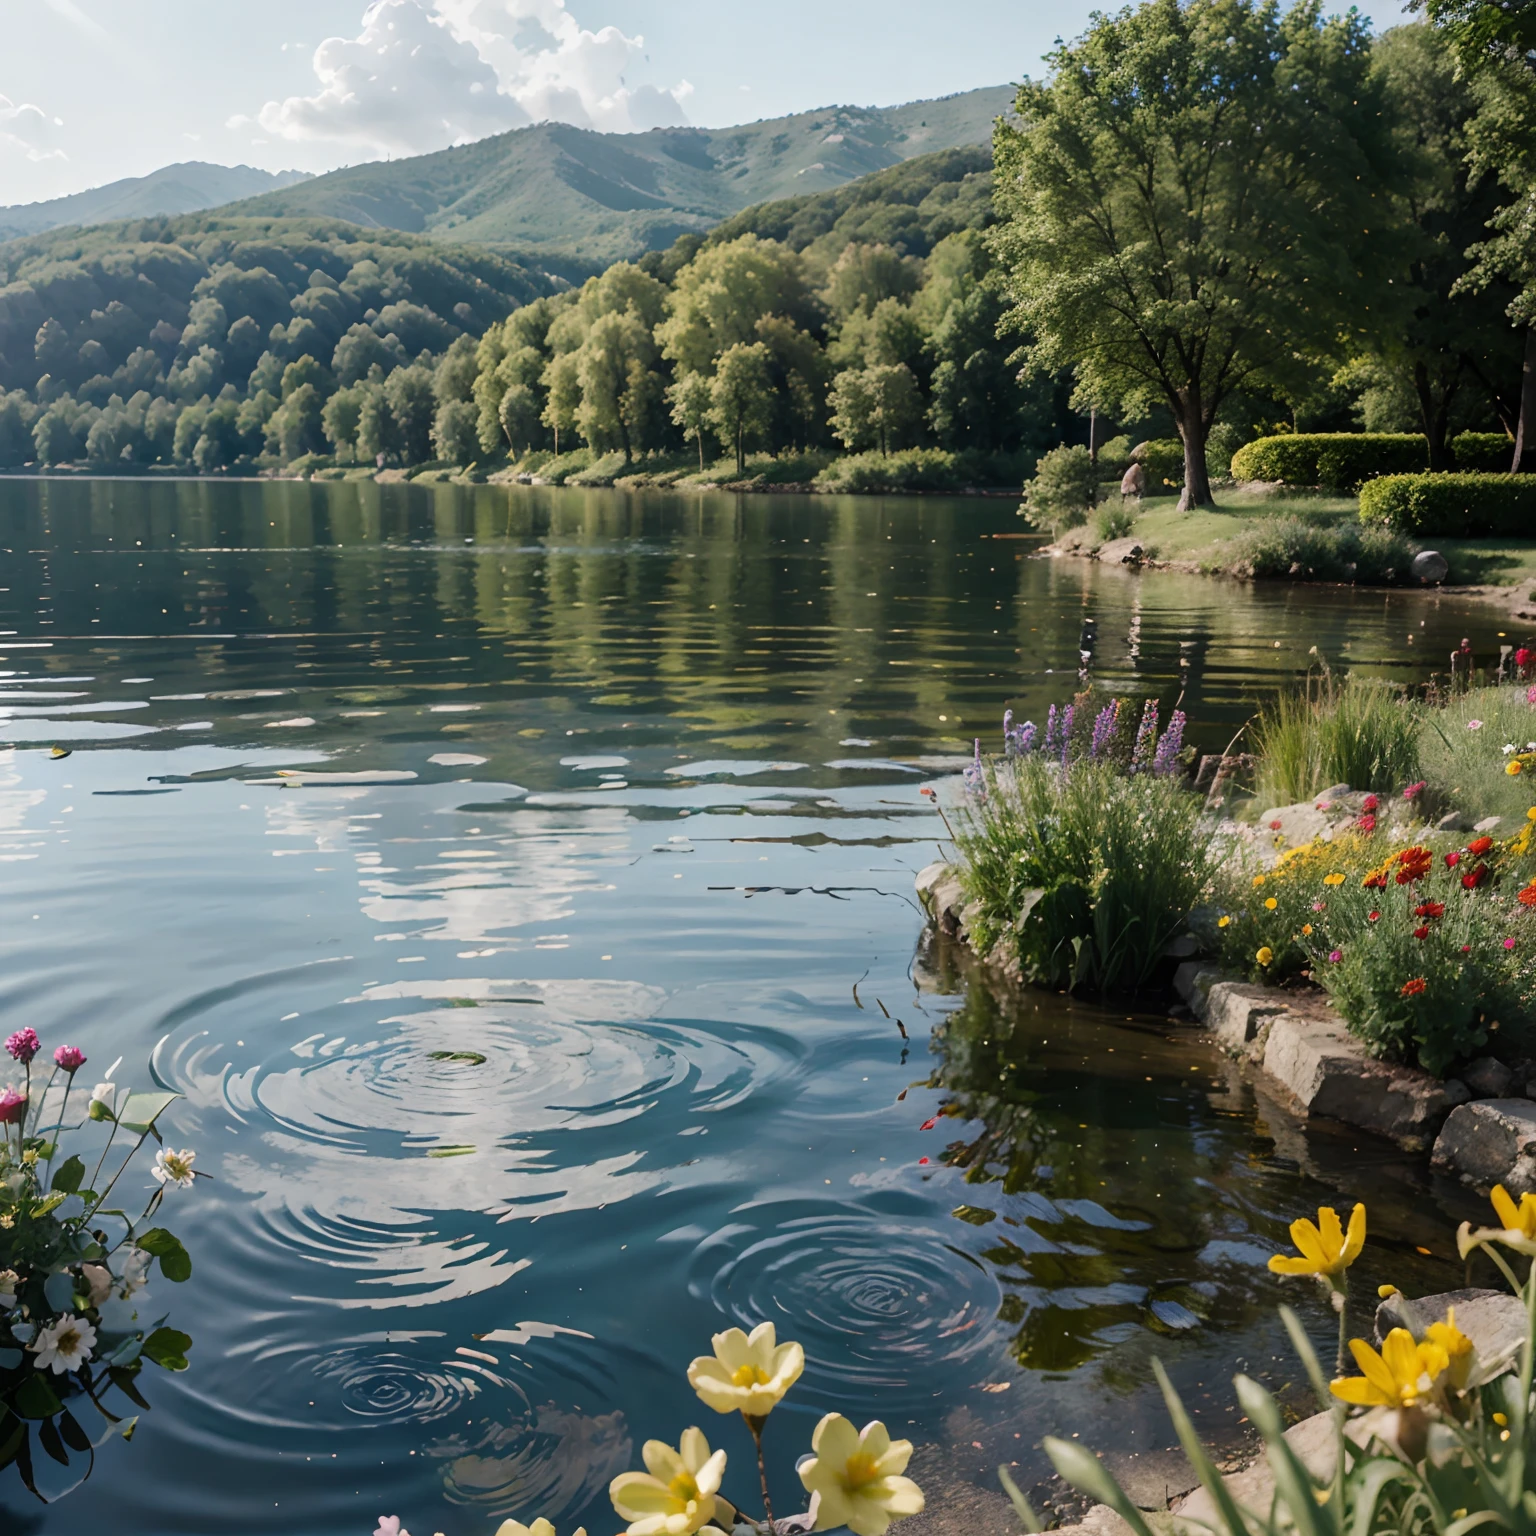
[748,1373]
[1508,749]
[9,1280]
[1474,725]
[176,1168]
[854,1478]
[103,1098]
[389,1525]
[65,1346]
[540,1527]
[676,1495]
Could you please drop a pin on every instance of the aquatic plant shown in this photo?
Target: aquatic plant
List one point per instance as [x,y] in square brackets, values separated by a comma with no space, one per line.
[1444,1446]
[76,1323]
[856,1478]
[1069,736]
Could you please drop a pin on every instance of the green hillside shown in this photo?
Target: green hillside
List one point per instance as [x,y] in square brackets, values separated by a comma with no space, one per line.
[557,191]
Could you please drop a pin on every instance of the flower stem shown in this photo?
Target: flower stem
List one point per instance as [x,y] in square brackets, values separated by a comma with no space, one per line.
[755,1424]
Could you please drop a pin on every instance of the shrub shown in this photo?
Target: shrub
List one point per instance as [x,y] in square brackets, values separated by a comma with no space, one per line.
[1224,440]
[1114,519]
[1058,496]
[1458,505]
[1358,732]
[1163,460]
[1334,460]
[558,470]
[1087,871]
[1490,452]
[913,469]
[1304,550]
[603,470]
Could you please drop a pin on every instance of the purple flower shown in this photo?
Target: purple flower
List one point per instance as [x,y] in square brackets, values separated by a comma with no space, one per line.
[1066,731]
[1017,739]
[1146,738]
[1166,759]
[70,1058]
[1104,730]
[1336,956]
[13,1105]
[975,775]
[24,1045]
[1052,725]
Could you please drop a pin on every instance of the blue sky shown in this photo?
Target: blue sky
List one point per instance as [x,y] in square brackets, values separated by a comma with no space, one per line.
[91,90]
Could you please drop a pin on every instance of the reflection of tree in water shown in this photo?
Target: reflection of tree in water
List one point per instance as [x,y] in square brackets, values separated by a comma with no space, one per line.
[1125,1188]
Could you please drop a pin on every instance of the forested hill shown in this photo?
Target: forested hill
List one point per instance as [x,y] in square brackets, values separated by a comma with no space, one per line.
[558,191]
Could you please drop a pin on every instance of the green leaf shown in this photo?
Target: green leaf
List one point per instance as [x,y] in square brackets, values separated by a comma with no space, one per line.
[60,1290]
[10,1442]
[35,1399]
[123,1380]
[52,1203]
[175,1262]
[168,1348]
[450,1151]
[141,1110]
[470,1058]
[74,1437]
[48,1437]
[1027,1517]
[68,1177]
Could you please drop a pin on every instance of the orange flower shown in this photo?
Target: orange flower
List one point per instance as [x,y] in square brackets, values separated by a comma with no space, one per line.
[1527,897]
[1414,987]
[1479,846]
[1413,864]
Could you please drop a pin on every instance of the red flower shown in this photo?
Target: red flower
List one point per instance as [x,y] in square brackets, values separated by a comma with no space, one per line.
[1376,882]
[1479,846]
[1275,826]
[1371,917]
[1366,823]
[1414,987]
[1452,860]
[1430,909]
[1475,877]
[1524,657]
[1527,897]
[1421,932]
[1466,949]
[1371,803]
[1413,864]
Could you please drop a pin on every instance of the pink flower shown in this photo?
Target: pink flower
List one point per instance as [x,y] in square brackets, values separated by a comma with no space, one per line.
[1477,725]
[1415,789]
[1318,906]
[13,1105]
[1366,823]
[1371,803]
[1336,956]
[24,1045]
[1275,826]
[70,1058]
[1509,943]
[1530,695]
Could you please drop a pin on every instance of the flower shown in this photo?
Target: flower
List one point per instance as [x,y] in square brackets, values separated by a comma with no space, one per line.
[1466,949]
[676,1496]
[1258,880]
[1366,823]
[1530,695]
[1513,767]
[1334,879]
[1434,908]
[1326,1249]
[1474,725]
[1265,955]
[1319,906]
[854,1477]
[1479,846]
[13,1105]
[1276,826]
[103,1097]
[135,1274]
[1414,790]
[748,1373]
[1509,943]
[1400,1376]
[9,1280]
[1335,955]
[1371,917]
[1516,1229]
[174,1167]
[1413,864]
[1370,803]
[1474,877]
[1222,922]
[1452,860]
[24,1045]
[1457,1346]
[1414,987]
[1507,748]
[1270,903]
[1421,932]
[1527,895]
[69,1058]
[1306,930]
[64,1346]
[540,1527]
[98,1279]
[389,1525]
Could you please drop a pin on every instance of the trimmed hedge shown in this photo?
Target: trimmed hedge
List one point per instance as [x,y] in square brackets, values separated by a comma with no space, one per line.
[1491,452]
[1163,460]
[1337,461]
[1457,506]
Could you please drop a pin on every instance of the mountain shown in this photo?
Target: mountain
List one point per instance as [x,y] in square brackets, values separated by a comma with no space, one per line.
[568,193]
[185,188]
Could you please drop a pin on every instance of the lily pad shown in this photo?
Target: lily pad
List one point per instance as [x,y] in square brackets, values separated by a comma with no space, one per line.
[469,1058]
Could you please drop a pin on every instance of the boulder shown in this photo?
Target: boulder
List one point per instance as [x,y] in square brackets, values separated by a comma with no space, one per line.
[938,888]
[1453,821]
[1492,1141]
[1429,566]
[1487,824]
[1314,1442]
[1193,981]
[1288,826]
[1493,1320]
[1235,1011]
[1134,481]
[1327,1070]
[1120,552]
[1487,1078]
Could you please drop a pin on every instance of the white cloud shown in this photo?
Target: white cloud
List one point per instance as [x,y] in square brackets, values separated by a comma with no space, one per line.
[423,74]
[28,133]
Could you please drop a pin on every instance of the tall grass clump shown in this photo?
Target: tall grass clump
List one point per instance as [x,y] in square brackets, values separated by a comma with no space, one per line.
[1356,732]
[1088,871]
[1304,549]
[1477,747]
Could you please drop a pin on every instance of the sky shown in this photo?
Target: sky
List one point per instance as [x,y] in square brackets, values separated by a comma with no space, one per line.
[94,90]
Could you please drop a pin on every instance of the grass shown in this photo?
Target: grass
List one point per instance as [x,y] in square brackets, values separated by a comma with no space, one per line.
[1468,759]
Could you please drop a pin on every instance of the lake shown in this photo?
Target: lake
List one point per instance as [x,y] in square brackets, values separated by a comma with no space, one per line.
[606,1029]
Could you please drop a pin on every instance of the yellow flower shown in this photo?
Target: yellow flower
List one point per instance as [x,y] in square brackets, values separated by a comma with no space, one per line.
[1385,1291]
[1517,1227]
[1333,879]
[1265,955]
[676,1497]
[1512,767]
[540,1527]
[748,1373]
[1325,1248]
[1306,930]
[1270,903]
[1456,1346]
[1530,815]
[1258,880]
[1401,1375]
[854,1478]
[1222,922]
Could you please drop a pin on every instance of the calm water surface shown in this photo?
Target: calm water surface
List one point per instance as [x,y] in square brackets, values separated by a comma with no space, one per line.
[520,1076]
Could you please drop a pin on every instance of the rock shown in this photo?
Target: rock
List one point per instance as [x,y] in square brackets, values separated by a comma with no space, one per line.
[1326,1068]
[1336,792]
[1152,1479]
[1487,824]
[1235,1011]
[1493,1320]
[938,888]
[1134,481]
[1487,1078]
[1453,821]
[1182,947]
[1288,826]
[1120,552]
[1492,1141]
[1314,1442]
[1193,981]
[1429,566]
[1456,1092]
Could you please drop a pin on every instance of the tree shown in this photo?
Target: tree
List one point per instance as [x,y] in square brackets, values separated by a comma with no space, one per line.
[865,275]
[741,398]
[409,393]
[518,418]
[1193,204]
[1495,44]
[454,438]
[692,400]
[620,390]
[340,418]
[875,405]
[562,390]
[378,434]
[296,427]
